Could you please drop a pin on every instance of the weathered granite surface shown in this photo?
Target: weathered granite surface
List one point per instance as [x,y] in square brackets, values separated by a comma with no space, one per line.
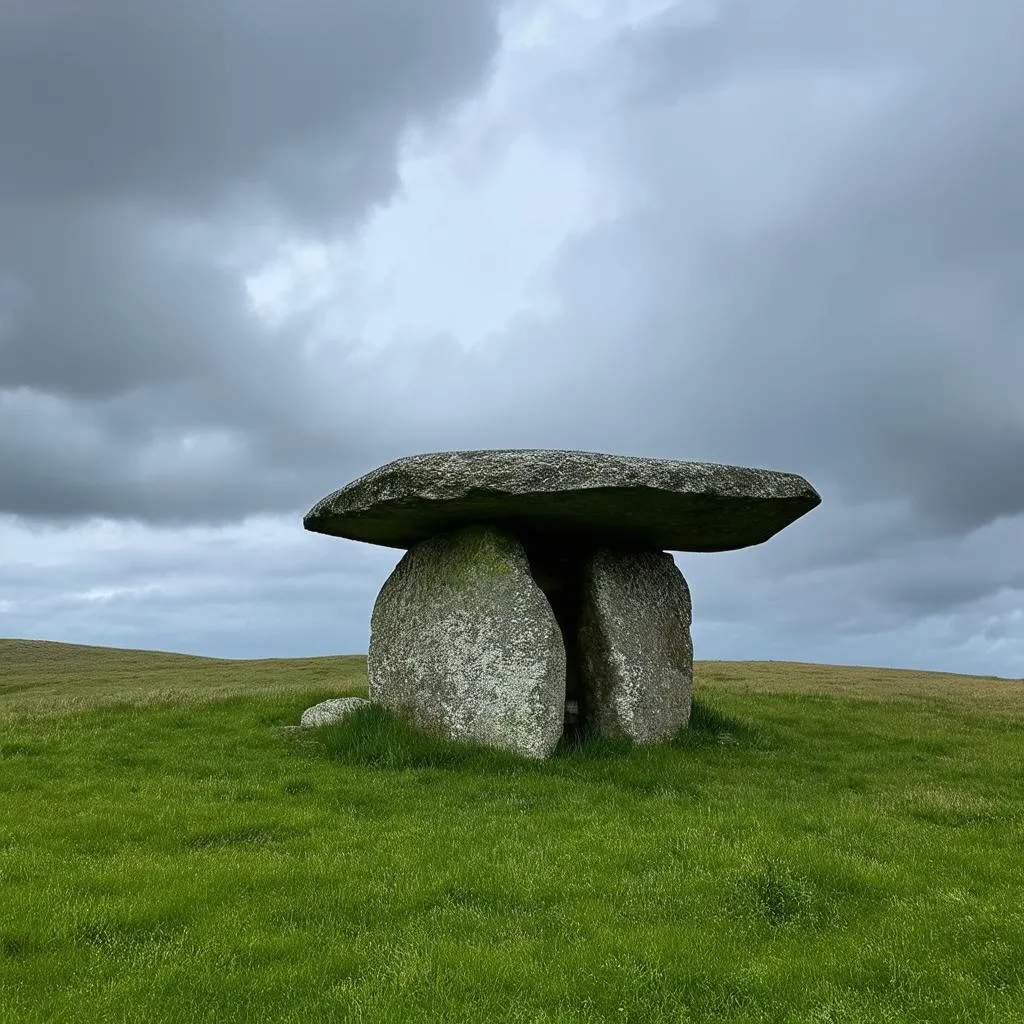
[636,655]
[464,641]
[581,497]
[333,710]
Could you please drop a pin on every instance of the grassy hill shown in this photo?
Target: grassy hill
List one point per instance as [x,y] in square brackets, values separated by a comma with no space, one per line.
[43,677]
[39,677]
[827,845]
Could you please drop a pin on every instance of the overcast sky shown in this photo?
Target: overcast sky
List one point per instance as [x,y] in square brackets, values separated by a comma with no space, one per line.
[250,250]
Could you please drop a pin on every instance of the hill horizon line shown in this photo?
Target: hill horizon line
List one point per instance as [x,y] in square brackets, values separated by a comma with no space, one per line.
[66,646]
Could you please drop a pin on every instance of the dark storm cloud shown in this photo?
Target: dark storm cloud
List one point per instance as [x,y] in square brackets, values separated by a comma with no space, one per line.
[820,268]
[134,381]
[744,37]
[816,265]
[852,310]
[890,317]
[138,384]
[875,341]
[107,312]
[870,335]
[179,104]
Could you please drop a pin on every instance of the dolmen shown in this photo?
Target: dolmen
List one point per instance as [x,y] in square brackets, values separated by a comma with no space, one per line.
[535,596]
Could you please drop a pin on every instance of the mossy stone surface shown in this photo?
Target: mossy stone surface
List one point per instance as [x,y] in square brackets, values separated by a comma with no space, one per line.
[464,641]
[636,653]
[575,497]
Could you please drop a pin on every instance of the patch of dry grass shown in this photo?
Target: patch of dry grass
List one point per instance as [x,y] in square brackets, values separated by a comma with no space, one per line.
[981,693]
[42,678]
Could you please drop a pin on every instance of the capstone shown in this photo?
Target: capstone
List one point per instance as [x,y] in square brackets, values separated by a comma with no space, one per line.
[569,497]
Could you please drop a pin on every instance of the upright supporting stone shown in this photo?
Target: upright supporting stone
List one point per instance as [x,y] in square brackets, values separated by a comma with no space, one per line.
[464,641]
[635,647]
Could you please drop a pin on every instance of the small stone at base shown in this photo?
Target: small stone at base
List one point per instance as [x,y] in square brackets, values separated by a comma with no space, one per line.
[329,711]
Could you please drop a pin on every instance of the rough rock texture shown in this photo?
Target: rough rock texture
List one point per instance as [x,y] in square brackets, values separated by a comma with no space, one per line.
[464,641]
[581,497]
[328,711]
[635,648]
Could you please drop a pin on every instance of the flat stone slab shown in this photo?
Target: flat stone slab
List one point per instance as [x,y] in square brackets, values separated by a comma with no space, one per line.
[584,497]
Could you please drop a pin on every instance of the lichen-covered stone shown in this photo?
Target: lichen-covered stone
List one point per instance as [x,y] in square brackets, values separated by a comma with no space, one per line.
[635,647]
[583,498]
[463,641]
[328,711]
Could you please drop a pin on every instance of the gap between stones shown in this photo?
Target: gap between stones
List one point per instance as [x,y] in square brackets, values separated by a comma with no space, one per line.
[558,571]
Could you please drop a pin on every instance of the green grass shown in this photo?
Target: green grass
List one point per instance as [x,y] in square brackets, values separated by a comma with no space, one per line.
[823,845]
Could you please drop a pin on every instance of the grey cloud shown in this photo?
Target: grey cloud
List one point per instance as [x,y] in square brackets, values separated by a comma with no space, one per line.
[874,338]
[818,269]
[861,324]
[897,305]
[258,588]
[870,338]
[143,387]
[963,583]
[178,104]
[752,37]
[106,312]
[134,381]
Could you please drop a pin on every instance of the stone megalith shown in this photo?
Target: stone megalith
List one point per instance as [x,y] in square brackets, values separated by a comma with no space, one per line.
[588,624]
[464,642]
[636,656]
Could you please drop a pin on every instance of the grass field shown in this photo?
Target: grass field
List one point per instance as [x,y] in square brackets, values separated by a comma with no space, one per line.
[823,845]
